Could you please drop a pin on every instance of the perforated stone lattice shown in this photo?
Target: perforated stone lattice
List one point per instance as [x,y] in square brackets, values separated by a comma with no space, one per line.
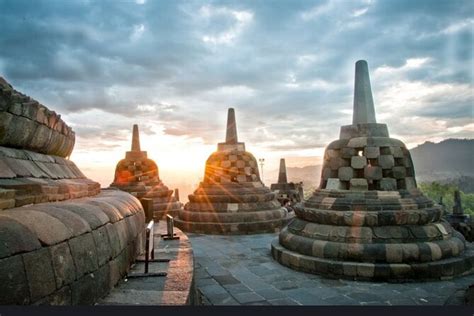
[234,166]
[350,165]
[140,170]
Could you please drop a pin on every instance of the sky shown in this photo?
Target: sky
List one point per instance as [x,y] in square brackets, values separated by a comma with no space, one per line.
[287,67]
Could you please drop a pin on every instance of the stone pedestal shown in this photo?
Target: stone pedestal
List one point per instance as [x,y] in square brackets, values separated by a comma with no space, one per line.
[368,220]
[232,199]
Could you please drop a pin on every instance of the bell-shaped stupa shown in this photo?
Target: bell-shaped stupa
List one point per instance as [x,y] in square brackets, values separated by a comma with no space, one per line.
[287,192]
[139,176]
[232,199]
[368,220]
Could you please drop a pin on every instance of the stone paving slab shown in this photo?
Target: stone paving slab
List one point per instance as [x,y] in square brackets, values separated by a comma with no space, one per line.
[176,288]
[239,270]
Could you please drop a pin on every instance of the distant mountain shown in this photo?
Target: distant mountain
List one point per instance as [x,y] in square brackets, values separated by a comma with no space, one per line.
[448,159]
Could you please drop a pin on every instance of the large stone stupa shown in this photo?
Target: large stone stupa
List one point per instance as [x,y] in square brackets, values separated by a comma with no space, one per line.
[139,176]
[232,199]
[368,219]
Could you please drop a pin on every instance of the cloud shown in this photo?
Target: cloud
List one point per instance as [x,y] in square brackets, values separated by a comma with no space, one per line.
[287,68]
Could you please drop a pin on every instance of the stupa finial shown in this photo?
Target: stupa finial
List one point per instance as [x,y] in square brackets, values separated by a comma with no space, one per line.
[135,138]
[364,111]
[282,173]
[231,134]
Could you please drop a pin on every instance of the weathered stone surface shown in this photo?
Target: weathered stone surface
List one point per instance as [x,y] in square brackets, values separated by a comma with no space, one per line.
[372,173]
[13,282]
[39,270]
[358,162]
[63,264]
[386,161]
[84,254]
[334,184]
[388,184]
[48,229]
[372,152]
[101,240]
[15,238]
[61,297]
[358,184]
[345,173]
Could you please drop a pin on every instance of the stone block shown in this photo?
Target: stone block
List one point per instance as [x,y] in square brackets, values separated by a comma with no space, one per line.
[73,222]
[394,253]
[84,253]
[358,162]
[358,184]
[397,152]
[345,173]
[386,161]
[63,264]
[16,238]
[13,282]
[348,152]
[373,172]
[371,152]
[336,163]
[357,142]
[61,297]
[332,153]
[334,184]
[410,183]
[388,184]
[40,273]
[48,229]
[399,172]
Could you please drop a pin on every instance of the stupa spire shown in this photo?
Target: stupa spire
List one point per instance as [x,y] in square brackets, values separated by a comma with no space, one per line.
[231,133]
[282,173]
[135,138]
[364,111]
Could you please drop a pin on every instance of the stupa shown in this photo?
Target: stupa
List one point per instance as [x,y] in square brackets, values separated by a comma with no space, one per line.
[232,199]
[287,192]
[139,176]
[368,220]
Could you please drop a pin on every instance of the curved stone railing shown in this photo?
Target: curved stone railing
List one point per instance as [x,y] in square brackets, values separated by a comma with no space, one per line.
[68,253]
[27,124]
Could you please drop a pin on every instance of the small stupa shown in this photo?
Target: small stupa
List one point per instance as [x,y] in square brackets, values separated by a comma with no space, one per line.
[232,199]
[139,176]
[288,193]
[368,220]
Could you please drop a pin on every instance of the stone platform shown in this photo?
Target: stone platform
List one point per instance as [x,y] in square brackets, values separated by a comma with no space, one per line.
[239,270]
[177,288]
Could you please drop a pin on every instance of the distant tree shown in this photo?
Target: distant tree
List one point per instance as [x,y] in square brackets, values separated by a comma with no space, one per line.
[436,190]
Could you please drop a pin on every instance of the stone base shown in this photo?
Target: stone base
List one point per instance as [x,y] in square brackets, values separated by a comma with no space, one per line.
[393,272]
[160,210]
[234,228]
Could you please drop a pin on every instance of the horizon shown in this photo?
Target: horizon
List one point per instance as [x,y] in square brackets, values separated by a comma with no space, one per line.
[174,68]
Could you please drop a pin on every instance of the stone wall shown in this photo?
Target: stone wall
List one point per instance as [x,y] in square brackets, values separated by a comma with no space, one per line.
[27,177]
[27,124]
[68,253]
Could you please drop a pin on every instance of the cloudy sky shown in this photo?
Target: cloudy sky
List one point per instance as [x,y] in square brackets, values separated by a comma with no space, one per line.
[287,67]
